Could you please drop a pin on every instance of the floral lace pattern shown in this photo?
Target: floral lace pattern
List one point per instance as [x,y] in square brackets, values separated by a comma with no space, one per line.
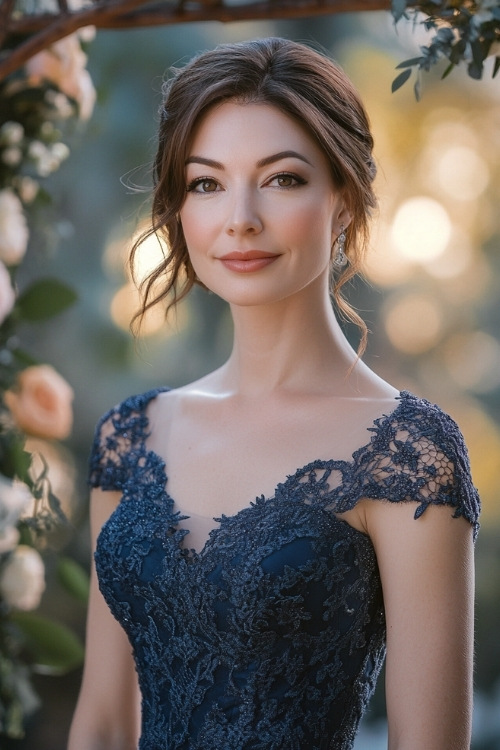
[273,635]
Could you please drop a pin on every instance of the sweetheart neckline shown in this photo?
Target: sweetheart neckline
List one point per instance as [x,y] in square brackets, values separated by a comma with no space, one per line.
[328,464]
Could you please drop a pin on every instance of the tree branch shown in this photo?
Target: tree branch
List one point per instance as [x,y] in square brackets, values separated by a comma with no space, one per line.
[44,30]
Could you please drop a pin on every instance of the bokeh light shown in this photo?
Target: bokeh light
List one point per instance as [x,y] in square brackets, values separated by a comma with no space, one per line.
[473,360]
[413,323]
[455,260]
[149,254]
[127,300]
[421,229]
[462,173]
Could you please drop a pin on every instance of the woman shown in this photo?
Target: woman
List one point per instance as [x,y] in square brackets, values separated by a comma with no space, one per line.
[259,598]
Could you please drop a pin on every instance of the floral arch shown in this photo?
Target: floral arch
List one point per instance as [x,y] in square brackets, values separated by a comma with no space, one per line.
[44,86]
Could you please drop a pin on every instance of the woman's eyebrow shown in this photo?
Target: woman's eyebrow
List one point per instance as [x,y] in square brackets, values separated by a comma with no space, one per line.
[282,155]
[206,162]
[261,163]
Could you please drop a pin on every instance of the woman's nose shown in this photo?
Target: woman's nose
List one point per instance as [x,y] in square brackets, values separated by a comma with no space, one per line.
[244,216]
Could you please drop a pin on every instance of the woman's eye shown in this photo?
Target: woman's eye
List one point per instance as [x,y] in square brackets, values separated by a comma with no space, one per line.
[202,185]
[286,180]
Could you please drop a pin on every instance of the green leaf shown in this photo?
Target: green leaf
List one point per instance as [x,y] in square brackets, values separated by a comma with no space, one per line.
[416,89]
[74,578]
[475,71]
[409,63]
[55,649]
[15,460]
[44,299]
[398,9]
[448,71]
[24,358]
[400,80]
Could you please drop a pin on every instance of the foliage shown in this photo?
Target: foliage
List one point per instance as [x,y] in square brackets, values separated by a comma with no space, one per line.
[34,399]
[464,32]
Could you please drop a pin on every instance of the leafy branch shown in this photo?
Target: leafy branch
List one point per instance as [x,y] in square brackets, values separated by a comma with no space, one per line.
[465,33]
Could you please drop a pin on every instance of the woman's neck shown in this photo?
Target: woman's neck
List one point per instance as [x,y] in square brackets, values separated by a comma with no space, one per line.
[292,345]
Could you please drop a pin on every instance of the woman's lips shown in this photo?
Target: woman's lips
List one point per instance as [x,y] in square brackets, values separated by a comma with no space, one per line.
[246,262]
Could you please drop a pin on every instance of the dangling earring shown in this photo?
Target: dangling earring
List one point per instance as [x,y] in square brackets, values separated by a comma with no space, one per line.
[340,260]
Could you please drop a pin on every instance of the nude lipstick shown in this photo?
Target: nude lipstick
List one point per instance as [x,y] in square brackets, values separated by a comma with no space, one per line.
[247,261]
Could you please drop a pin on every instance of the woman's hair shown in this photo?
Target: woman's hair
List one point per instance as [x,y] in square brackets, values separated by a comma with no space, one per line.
[303,84]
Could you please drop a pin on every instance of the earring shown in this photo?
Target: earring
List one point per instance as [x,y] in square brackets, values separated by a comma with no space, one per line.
[340,260]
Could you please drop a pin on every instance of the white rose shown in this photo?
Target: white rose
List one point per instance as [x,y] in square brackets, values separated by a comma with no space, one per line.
[11,133]
[59,151]
[7,294]
[47,164]
[15,497]
[22,580]
[12,156]
[46,161]
[14,232]
[37,150]
[60,102]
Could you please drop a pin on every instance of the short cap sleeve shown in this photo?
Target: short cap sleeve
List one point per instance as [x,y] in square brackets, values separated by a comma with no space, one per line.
[119,442]
[419,454]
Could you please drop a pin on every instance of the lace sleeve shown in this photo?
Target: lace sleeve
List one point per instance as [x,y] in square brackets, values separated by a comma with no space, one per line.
[419,454]
[119,442]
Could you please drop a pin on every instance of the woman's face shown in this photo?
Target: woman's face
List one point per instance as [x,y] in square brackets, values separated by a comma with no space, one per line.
[261,210]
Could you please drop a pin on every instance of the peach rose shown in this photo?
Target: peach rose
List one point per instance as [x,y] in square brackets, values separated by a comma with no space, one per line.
[7,294]
[63,64]
[41,403]
[22,580]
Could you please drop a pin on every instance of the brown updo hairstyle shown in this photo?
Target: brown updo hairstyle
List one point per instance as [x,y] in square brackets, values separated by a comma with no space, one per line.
[303,84]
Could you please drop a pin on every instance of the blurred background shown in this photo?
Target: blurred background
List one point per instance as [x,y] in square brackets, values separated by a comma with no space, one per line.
[430,296]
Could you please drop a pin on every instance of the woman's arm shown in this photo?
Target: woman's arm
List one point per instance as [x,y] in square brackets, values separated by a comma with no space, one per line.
[427,571]
[108,708]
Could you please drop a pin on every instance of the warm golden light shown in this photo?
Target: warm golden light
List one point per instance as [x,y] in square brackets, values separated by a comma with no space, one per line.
[456,259]
[421,229]
[384,265]
[126,302]
[150,253]
[413,323]
[462,172]
[473,360]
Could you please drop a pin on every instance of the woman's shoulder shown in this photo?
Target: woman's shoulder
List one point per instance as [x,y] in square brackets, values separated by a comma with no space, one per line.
[119,435]
[131,406]
[417,453]
[421,423]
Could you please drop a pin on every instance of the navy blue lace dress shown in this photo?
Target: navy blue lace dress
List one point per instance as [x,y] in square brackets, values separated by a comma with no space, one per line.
[272,636]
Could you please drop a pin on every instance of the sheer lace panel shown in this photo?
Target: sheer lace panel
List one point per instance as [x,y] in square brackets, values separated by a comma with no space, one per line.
[198,528]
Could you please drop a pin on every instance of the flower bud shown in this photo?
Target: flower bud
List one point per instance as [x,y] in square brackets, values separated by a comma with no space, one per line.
[22,579]
[7,294]
[11,133]
[14,232]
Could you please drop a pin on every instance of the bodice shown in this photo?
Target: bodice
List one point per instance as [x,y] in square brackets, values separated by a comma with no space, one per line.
[272,635]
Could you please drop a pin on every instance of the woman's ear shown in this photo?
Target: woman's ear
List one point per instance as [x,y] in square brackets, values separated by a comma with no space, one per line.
[341,220]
